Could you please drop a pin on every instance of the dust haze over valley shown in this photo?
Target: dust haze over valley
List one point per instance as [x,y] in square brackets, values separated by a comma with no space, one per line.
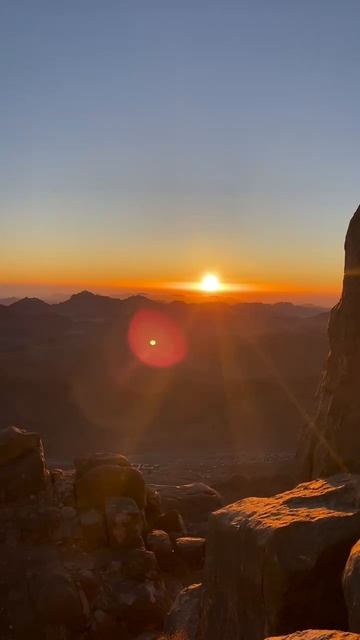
[247,384]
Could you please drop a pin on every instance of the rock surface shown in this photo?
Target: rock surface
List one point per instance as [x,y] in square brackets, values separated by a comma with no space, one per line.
[172,522]
[160,544]
[351,586]
[22,464]
[57,600]
[195,502]
[109,481]
[191,550]
[184,617]
[332,443]
[93,529]
[274,565]
[84,464]
[15,442]
[124,523]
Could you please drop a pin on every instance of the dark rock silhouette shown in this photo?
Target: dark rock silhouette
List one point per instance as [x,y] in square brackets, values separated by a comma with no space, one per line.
[332,443]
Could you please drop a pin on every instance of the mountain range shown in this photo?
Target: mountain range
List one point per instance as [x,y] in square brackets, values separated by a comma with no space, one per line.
[249,378]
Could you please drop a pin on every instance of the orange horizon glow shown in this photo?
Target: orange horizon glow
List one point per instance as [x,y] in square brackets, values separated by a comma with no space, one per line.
[192,290]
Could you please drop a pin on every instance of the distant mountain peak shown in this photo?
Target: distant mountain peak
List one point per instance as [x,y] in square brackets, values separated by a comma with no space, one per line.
[83,294]
[30,305]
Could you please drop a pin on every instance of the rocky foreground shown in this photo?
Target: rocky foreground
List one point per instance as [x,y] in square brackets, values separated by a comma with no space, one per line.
[91,552]
[95,553]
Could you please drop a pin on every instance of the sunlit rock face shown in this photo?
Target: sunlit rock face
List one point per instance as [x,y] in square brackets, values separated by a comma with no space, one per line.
[332,442]
[274,565]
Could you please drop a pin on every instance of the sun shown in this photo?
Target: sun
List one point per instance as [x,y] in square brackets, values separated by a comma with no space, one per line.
[210,283]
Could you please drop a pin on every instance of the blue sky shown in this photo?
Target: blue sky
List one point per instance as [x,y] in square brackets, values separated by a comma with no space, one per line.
[150,141]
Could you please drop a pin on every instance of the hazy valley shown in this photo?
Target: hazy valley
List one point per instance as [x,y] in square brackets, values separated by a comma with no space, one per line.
[249,378]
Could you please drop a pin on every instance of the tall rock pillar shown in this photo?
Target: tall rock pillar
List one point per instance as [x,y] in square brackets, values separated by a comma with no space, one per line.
[332,442]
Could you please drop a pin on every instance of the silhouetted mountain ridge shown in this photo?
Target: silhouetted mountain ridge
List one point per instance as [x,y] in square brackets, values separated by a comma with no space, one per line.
[249,368]
[30,306]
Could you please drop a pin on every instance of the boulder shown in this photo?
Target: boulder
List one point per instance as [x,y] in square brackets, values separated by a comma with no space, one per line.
[58,601]
[194,501]
[63,487]
[160,544]
[332,443]
[41,592]
[351,586]
[22,472]
[89,583]
[183,619]
[141,605]
[124,522]
[274,565]
[139,564]
[134,591]
[37,523]
[105,481]
[172,522]
[191,550]
[136,564]
[84,464]
[69,530]
[317,634]
[105,626]
[19,618]
[153,507]
[15,442]
[93,529]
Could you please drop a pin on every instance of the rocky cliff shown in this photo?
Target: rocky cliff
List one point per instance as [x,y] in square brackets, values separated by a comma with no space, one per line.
[332,442]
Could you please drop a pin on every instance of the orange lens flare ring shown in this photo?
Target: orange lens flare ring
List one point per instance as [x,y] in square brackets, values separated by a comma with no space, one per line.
[156,339]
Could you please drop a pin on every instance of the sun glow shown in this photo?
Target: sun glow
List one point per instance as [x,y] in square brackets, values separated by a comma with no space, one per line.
[210,283]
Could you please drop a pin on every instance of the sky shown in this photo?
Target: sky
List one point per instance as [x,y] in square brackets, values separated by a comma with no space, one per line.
[146,142]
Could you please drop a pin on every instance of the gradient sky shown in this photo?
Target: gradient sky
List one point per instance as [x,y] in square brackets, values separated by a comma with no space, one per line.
[145,142]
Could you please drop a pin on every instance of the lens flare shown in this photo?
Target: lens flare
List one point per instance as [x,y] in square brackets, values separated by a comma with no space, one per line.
[156,339]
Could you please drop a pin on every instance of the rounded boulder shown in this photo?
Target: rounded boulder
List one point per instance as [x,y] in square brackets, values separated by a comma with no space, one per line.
[106,481]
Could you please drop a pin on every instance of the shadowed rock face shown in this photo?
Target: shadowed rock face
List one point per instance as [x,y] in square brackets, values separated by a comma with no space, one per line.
[332,443]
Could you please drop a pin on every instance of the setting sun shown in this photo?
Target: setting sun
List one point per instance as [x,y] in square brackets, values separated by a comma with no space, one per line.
[210,283]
